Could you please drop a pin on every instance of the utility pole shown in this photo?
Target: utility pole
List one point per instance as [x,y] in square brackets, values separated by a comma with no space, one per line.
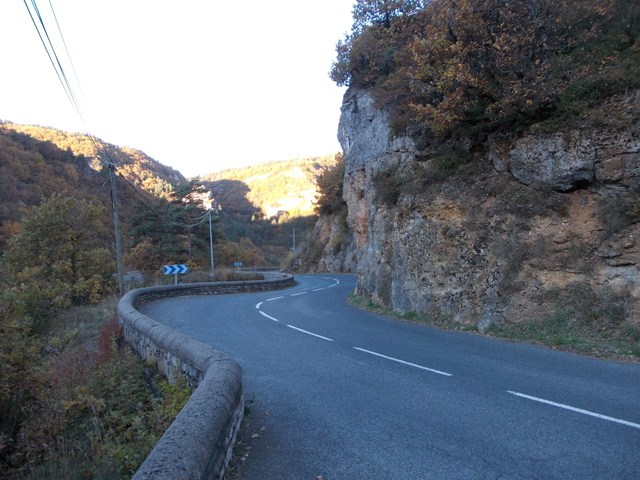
[116,223]
[294,242]
[211,240]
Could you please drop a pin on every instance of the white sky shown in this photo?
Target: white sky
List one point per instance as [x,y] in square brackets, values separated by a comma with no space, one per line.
[199,85]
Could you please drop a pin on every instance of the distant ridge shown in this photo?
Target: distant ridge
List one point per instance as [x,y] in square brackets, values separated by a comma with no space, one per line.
[274,188]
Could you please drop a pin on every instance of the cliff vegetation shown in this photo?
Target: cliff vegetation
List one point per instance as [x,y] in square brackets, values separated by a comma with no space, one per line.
[491,180]
[467,68]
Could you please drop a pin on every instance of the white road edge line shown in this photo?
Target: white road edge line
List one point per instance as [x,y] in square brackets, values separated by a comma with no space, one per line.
[274,298]
[296,294]
[405,363]
[270,318]
[258,305]
[574,409]
[310,333]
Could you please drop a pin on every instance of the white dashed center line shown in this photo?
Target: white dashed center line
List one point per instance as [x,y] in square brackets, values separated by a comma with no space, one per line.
[574,409]
[310,333]
[439,372]
[274,298]
[269,317]
[421,367]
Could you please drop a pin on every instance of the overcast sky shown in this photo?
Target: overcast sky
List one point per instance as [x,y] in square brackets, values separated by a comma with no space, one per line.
[199,85]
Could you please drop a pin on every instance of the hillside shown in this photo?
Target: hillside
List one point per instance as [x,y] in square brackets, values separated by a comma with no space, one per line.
[281,186]
[137,166]
[258,207]
[36,162]
[263,207]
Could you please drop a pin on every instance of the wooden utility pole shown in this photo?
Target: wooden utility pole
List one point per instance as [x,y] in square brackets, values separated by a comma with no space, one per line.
[116,223]
[211,240]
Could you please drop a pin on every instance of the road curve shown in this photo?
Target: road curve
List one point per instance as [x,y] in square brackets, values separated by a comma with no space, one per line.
[345,394]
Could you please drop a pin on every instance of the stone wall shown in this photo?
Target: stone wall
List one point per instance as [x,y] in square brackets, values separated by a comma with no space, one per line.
[198,444]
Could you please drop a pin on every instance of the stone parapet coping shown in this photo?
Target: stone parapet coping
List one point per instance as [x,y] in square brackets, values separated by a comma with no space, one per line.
[199,443]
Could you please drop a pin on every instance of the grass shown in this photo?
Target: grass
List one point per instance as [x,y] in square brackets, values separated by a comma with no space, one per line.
[432,319]
[579,321]
[582,322]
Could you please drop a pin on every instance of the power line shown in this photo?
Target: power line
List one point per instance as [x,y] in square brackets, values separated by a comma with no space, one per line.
[75,74]
[54,58]
[68,89]
[163,214]
[49,48]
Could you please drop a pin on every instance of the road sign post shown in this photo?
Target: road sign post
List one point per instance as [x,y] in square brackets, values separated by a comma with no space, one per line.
[175,270]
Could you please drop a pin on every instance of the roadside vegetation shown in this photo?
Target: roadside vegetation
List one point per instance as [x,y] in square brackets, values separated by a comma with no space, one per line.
[220,275]
[578,321]
[75,401]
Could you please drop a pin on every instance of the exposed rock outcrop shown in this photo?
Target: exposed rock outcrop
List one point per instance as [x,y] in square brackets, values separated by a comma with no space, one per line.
[529,217]
[564,162]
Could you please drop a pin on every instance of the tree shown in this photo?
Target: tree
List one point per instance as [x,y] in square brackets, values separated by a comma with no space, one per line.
[171,229]
[367,52]
[465,66]
[382,12]
[58,259]
[330,185]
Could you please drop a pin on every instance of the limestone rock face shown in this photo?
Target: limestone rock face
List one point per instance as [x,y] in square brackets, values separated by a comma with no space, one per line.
[365,135]
[537,214]
[552,161]
[564,162]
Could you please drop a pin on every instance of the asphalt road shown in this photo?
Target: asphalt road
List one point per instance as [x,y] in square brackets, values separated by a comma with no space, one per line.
[345,394]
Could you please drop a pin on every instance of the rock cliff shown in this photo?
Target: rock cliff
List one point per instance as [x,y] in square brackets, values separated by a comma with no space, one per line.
[508,230]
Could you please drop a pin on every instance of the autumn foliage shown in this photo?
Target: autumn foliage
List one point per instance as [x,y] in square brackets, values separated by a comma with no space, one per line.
[471,66]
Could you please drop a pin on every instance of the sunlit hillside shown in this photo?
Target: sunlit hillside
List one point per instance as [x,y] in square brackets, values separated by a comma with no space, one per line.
[137,166]
[272,188]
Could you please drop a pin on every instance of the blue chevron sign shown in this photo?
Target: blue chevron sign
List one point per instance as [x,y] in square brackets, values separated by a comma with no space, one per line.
[175,269]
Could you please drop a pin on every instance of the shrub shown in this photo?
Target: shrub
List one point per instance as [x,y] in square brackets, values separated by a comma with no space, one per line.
[467,68]
[84,411]
[450,160]
[387,186]
[618,212]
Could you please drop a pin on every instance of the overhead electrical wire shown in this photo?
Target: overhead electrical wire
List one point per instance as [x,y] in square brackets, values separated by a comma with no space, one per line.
[104,157]
[153,206]
[49,48]
[54,58]
[66,49]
